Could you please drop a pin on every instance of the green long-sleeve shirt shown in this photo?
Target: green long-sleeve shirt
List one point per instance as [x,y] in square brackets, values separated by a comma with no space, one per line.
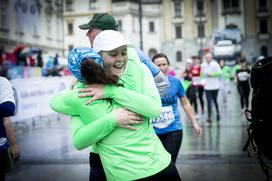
[125,154]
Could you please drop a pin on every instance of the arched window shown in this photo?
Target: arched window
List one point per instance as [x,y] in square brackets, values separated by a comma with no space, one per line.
[178,56]
[152,52]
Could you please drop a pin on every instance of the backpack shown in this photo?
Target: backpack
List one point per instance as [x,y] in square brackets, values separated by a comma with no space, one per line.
[260,115]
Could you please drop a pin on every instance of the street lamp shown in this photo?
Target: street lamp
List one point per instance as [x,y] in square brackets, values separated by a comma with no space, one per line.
[140,23]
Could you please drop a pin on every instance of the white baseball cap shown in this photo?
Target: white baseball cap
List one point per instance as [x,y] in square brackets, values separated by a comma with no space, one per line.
[108,40]
[189,60]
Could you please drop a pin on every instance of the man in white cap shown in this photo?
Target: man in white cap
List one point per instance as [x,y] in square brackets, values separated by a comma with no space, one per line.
[104,21]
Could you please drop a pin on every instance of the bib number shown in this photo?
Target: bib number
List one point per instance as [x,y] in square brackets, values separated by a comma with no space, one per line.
[166,118]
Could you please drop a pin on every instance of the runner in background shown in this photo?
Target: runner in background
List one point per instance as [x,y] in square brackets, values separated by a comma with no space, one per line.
[243,86]
[211,72]
[197,84]
[169,125]
[225,80]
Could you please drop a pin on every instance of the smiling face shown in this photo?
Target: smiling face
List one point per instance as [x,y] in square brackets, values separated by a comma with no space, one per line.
[115,61]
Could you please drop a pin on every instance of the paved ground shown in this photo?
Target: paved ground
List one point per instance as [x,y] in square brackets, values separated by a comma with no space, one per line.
[48,154]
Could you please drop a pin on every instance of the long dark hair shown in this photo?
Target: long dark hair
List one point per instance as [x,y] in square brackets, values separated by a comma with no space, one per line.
[93,73]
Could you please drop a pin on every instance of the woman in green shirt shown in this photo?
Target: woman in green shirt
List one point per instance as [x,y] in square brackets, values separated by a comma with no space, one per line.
[125,154]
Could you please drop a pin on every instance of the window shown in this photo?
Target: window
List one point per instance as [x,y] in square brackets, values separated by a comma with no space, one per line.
[177,9]
[200,7]
[178,31]
[178,56]
[263,6]
[48,27]
[69,5]
[151,26]
[70,29]
[120,25]
[263,26]
[93,4]
[231,7]
[262,3]
[264,51]
[200,30]
[58,28]
[152,52]
[3,17]
[70,47]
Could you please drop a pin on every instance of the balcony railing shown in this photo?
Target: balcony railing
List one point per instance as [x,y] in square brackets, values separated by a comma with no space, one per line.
[231,10]
[262,12]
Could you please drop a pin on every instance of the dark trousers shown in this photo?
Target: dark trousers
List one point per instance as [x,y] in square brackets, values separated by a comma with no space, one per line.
[211,96]
[96,169]
[97,173]
[200,97]
[169,173]
[191,94]
[6,164]
[244,91]
[172,142]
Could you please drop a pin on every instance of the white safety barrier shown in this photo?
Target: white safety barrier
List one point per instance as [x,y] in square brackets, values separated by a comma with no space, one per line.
[33,95]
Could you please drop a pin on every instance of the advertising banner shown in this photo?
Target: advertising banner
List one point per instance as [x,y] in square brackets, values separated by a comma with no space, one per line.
[32,95]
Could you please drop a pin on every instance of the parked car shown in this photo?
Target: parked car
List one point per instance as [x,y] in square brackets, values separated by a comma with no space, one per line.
[226,50]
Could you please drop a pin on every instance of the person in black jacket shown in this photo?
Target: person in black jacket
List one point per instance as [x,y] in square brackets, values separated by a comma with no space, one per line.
[243,86]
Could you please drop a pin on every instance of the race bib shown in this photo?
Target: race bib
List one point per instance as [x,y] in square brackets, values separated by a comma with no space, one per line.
[197,80]
[165,119]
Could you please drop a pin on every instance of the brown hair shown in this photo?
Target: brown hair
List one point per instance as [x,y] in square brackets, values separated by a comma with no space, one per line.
[159,55]
[93,73]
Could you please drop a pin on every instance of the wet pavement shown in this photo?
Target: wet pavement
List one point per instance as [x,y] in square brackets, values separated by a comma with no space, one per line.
[48,153]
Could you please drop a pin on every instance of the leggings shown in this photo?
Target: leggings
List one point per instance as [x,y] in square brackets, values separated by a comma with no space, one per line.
[169,173]
[244,90]
[200,97]
[97,173]
[191,94]
[96,169]
[172,142]
[211,96]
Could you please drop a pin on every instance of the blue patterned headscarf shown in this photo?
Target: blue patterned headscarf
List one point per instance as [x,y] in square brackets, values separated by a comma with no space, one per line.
[77,55]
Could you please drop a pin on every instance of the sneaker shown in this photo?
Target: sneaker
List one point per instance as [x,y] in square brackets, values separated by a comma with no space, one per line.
[218,117]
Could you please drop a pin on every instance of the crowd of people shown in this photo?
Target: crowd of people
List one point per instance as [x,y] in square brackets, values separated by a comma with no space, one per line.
[125,105]
[141,124]
[212,76]
[23,56]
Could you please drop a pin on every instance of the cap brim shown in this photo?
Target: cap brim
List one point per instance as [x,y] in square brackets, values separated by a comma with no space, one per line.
[85,26]
[110,47]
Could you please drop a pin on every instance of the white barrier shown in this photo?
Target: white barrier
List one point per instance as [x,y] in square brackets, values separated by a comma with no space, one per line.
[33,95]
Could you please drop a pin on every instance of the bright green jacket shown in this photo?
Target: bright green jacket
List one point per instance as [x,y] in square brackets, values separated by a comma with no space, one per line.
[226,72]
[125,154]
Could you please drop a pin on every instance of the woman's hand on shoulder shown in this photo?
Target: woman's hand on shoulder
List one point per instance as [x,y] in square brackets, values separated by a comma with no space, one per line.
[126,118]
[94,90]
